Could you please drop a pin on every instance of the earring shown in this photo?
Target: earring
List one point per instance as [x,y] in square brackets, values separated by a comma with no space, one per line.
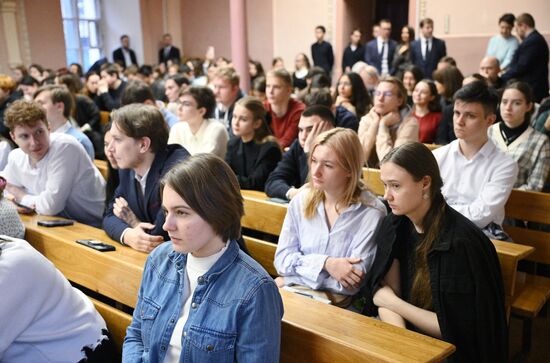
[425,196]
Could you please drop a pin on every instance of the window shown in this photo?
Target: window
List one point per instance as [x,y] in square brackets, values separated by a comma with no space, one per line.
[83,41]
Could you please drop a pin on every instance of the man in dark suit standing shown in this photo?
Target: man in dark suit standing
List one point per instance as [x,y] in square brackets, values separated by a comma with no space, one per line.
[321,51]
[168,51]
[530,61]
[379,51]
[428,50]
[354,52]
[125,55]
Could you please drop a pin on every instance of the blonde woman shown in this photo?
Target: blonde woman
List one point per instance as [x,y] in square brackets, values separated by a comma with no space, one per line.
[253,153]
[327,240]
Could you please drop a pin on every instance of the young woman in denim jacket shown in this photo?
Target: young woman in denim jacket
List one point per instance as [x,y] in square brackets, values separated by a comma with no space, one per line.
[435,271]
[202,299]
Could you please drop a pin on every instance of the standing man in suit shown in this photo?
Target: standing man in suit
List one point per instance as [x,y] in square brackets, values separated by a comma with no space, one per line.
[379,51]
[428,50]
[168,51]
[321,51]
[530,61]
[139,141]
[125,55]
[354,52]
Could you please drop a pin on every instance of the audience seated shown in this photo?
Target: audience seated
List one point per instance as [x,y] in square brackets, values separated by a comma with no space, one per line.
[109,89]
[28,85]
[411,76]
[112,168]
[530,61]
[10,224]
[380,51]
[327,240]
[44,318]
[369,75]
[448,80]
[139,146]
[201,287]
[426,110]
[51,173]
[387,125]
[283,113]
[515,137]
[302,66]
[8,95]
[140,92]
[542,121]
[343,117]
[352,94]
[172,88]
[503,46]
[477,176]
[197,131]
[428,50]
[227,92]
[253,153]
[434,270]
[57,103]
[490,69]
[290,174]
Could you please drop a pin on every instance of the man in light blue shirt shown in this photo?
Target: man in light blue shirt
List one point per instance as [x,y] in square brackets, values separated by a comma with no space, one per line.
[503,45]
[58,104]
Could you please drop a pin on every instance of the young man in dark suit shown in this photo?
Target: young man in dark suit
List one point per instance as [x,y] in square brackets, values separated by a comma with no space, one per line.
[530,61]
[379,51]
[428,50]
[125,55]
[139,144]
[168,52]
[321,51]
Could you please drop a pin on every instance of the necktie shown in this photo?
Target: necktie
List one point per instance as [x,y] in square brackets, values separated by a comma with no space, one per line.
[383,49]
[427,49]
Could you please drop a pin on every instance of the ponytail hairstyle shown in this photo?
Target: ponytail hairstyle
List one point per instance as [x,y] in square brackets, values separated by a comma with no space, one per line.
[419,162]
[345,145]
[255,106]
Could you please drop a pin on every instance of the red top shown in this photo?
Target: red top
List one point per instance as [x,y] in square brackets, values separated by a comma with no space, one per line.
[285,128]
[428,126]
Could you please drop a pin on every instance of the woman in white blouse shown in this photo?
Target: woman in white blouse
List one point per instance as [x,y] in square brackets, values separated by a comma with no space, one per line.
[197,132]
[327,241]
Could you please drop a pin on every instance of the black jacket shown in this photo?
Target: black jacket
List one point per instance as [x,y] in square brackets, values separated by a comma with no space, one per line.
[252,162]
[291,171]
[323,56]
[118,57]
[173,55]
[438,50]
[350,57]
[466,282]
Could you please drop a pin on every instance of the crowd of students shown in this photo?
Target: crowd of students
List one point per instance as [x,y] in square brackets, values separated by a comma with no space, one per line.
[183,138]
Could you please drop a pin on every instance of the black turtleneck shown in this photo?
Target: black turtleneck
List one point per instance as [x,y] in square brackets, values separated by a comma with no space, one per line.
[510,135]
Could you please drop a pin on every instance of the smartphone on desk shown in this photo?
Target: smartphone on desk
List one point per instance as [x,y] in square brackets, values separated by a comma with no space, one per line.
[55,223]
[96,245]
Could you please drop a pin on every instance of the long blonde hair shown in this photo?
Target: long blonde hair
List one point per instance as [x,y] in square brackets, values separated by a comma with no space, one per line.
[346,146]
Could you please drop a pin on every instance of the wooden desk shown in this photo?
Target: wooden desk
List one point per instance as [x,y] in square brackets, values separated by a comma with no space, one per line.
[312,331]
[115,274]
[261,214]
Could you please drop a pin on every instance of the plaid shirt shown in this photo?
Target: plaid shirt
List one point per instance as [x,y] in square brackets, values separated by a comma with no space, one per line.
[531,150]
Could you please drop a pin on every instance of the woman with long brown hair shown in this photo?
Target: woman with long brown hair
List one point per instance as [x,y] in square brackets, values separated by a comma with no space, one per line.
[435,271]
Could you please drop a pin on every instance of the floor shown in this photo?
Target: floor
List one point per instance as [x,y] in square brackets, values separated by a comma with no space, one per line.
[540,351]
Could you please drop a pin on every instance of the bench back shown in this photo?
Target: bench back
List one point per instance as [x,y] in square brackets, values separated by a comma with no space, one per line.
[531,207]
[117,321]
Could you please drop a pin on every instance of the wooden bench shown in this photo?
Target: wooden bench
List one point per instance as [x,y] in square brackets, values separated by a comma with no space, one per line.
[371,177]
[312,331]
[533,291]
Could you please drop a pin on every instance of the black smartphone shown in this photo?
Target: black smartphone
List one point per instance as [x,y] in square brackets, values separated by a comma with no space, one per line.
[56,223]
[96,245]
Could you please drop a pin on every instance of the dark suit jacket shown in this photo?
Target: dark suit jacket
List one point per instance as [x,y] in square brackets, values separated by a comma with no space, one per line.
[350,57]
[323,55]
[291,171]
[373,58]
[530,64]
[174,54]
[118,57]
[150,211]
[438,51]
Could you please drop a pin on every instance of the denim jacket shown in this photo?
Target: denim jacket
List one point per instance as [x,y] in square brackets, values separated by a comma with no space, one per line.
[235,313]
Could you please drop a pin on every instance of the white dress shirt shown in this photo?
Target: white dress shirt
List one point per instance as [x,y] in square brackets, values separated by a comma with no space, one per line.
[65,182]
[211,137]
[385,69]
[5,149]
[423,45]
[477,188]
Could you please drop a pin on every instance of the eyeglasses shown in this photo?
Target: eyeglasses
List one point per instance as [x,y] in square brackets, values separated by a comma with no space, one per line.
[185,104]
[385,94]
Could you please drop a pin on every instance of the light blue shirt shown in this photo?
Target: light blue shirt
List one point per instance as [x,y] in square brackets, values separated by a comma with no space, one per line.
[169,117]
[305,244]
[503,49]
[68,129]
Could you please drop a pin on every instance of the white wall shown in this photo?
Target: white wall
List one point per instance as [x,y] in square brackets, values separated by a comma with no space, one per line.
[122,17]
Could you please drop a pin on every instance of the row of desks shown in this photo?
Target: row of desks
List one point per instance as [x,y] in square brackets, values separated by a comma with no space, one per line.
[311,330]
